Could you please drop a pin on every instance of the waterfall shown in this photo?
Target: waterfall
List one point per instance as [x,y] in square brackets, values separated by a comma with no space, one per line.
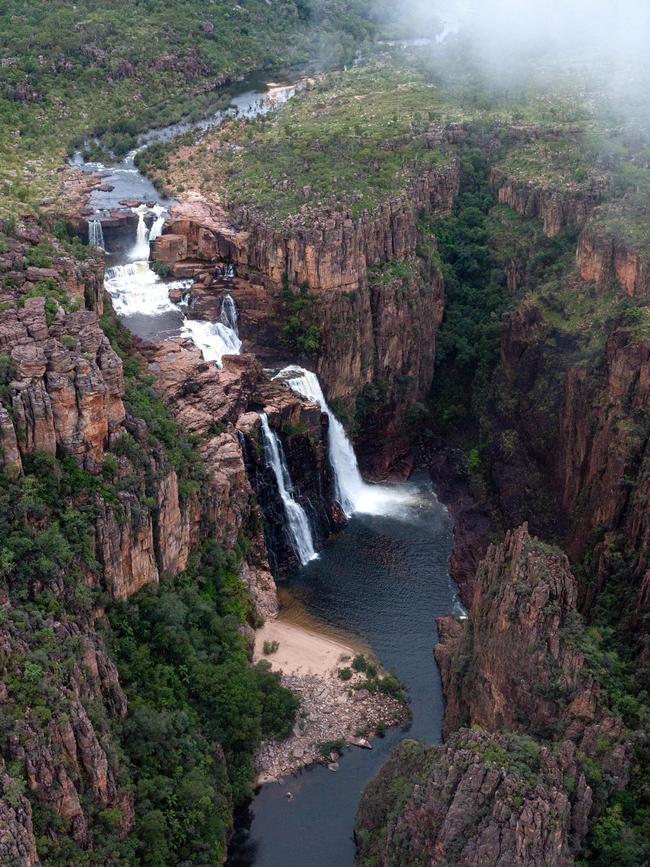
[158,223]
[297,522]
[352,492]
[214,339]
[95,234]
[141,249]
[229,313]
[135,288]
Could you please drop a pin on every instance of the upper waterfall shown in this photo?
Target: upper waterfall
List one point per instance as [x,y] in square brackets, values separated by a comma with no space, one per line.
[95,233]
[352,492]
[297,521]
[141,249]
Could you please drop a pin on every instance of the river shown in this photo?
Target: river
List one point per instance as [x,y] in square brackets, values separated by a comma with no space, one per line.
[383,579]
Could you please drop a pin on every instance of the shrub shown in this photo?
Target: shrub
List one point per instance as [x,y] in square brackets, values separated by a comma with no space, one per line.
[271,647]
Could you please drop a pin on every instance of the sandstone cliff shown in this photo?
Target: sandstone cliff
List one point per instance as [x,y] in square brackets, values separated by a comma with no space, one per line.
[368,287]
[483,799]
[515,664]
[614,245]
[83,433]
[493,795]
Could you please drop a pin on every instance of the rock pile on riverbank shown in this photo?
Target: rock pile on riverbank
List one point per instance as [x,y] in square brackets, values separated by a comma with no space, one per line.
[331,709]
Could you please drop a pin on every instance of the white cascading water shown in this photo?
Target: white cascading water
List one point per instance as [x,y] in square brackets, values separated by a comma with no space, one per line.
[214,339]
[141,249]
[135,288]
[297,522]
[95,234]
[352,492]
[157,226]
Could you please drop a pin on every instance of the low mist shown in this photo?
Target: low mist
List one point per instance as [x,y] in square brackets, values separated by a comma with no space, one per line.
[603,44]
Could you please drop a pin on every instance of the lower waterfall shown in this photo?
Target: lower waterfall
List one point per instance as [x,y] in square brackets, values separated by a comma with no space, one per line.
[352,492]
[297,523]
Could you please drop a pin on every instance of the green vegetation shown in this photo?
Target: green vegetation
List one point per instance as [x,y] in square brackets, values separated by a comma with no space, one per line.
[348,141]
[300,329]
[102,72]
[197,709]
[271,647]
[475,299]
[329,747]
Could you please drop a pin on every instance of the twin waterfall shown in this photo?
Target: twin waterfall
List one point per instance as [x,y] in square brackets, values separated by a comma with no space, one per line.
[352,492]
[297,523]
[137,290]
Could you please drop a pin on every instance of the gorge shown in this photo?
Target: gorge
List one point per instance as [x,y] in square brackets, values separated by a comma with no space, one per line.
[323,456]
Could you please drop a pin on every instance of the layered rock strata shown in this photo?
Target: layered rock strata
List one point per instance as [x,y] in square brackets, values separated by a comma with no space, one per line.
[493,795]
[367,286]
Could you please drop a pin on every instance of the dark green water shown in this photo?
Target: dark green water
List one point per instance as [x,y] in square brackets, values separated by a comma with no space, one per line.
[385,578]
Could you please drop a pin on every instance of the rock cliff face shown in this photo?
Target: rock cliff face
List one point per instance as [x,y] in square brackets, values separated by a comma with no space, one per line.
[63,392]
[603,462]
[204,398]
[555,208]
[515,664]
[572,458]
[606,251]
[364,302]
[493,795]
[482,799]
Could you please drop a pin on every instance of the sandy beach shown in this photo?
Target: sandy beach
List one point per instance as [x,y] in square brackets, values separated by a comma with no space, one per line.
[309,655]
[301,650]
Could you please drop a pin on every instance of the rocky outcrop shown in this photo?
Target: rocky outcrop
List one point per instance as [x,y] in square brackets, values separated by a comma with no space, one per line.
[613,246]
[602,467]
[64,758]
[17,843]
[556,206]
[488,799]
[222,407]
[64,381]
[515,664]
[367,286]
[493,795]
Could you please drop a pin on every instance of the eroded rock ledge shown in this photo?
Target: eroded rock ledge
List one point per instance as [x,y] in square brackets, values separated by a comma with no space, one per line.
[494,795]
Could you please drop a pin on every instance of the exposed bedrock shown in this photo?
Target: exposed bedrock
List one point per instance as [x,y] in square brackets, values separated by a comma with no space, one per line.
[614,247]
[222,406]
[377,320]
[493,795]
[573,457]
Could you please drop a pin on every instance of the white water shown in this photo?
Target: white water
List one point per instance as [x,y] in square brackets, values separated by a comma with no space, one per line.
[297,523]
[156,229]
[352,492]
[141,249]
[214,339]
[135,288]
[95,234]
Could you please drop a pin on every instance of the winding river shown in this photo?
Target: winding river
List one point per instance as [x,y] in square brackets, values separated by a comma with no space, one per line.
[384,578]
